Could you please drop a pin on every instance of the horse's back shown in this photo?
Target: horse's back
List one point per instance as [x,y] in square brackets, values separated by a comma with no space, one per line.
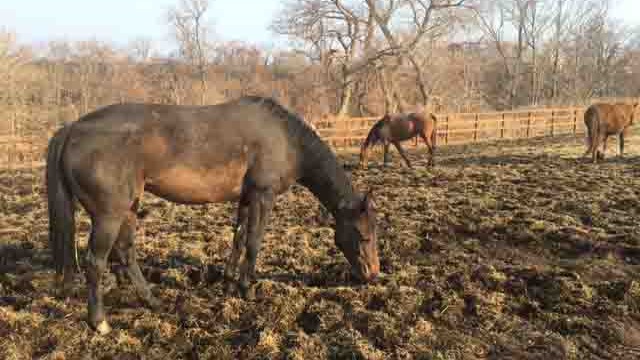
[162,129]
[613,117]
[186,154]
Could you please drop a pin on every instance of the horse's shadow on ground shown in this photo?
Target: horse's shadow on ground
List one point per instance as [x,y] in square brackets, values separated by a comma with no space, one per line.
[19,258]
[193,272]
[535,159]
[502,160]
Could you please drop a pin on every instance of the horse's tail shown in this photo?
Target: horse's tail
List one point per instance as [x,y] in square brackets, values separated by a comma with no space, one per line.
[434,132]
[372,138]
[592,122]
[364,148]
[61,205]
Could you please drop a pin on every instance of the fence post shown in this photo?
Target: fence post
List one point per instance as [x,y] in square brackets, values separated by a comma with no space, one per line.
[502,127]
[16,157]
[552,123]
[446,134]
[528,124]
[475,128]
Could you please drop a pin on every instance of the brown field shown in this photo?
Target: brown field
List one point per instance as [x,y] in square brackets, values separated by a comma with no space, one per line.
[503,251]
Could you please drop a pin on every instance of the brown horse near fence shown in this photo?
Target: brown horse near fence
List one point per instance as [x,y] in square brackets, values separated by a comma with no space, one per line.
[394,128]
[249,150]
[604,120]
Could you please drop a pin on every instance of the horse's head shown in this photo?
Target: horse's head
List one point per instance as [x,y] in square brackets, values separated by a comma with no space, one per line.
[356,236]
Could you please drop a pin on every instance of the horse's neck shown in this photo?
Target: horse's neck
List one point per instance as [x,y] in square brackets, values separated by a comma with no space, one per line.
[328,181]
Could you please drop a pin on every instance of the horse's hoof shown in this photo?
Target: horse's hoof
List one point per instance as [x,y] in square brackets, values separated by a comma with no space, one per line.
[243,290]
[103,328]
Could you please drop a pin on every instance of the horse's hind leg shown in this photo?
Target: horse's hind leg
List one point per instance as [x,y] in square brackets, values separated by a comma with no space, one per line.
[595,152]
[118,269]
[402,153]
[104,233]
[126,251]
[429,148]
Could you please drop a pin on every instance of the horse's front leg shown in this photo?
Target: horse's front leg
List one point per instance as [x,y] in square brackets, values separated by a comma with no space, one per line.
[402,153]
[604,146]
[239,242]
[260,206]
[621,144]
[385,156]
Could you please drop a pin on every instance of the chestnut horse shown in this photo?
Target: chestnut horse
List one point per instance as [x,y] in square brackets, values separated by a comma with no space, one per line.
[392,129]
[604,120]
[247,150]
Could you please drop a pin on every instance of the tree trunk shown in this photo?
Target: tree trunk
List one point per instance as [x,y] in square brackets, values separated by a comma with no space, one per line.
[420,82]
[345,98]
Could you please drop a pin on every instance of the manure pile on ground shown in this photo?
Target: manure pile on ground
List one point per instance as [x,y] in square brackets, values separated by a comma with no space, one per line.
[511,251]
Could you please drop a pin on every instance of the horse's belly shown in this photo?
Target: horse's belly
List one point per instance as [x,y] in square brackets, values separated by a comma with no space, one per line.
[187,185]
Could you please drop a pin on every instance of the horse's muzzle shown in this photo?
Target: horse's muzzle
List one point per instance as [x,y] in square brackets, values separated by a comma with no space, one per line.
[366,273]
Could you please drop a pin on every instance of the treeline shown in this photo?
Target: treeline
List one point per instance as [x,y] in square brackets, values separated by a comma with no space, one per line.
[348,57]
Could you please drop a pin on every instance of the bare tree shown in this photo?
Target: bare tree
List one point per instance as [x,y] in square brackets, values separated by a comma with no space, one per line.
[333,32]
[13,58]
[192,33]
[140,49]
[427,17]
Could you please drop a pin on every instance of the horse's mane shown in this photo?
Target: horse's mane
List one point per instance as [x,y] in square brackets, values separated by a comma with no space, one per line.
[319,161]
[372,137]
[297,128]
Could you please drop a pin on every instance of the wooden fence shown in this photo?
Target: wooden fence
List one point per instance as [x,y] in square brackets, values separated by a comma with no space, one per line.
[340,133]
[465,128]
[20,152]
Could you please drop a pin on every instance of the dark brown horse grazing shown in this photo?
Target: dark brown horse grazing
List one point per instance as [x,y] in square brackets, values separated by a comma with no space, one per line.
[604,120]
[392,129]
[249,150]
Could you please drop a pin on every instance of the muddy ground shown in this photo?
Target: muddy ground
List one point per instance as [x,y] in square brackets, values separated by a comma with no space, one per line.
[509,251]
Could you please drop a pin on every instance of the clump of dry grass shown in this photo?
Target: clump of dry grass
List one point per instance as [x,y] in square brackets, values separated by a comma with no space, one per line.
[501,251]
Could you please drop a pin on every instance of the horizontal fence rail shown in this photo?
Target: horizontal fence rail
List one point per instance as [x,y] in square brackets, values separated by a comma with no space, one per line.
[345,132]
[466,128]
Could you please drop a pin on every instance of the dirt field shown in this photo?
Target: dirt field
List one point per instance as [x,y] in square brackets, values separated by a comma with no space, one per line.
[517,251]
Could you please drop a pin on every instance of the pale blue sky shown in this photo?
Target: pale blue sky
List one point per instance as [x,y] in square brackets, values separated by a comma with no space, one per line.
[122,20]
